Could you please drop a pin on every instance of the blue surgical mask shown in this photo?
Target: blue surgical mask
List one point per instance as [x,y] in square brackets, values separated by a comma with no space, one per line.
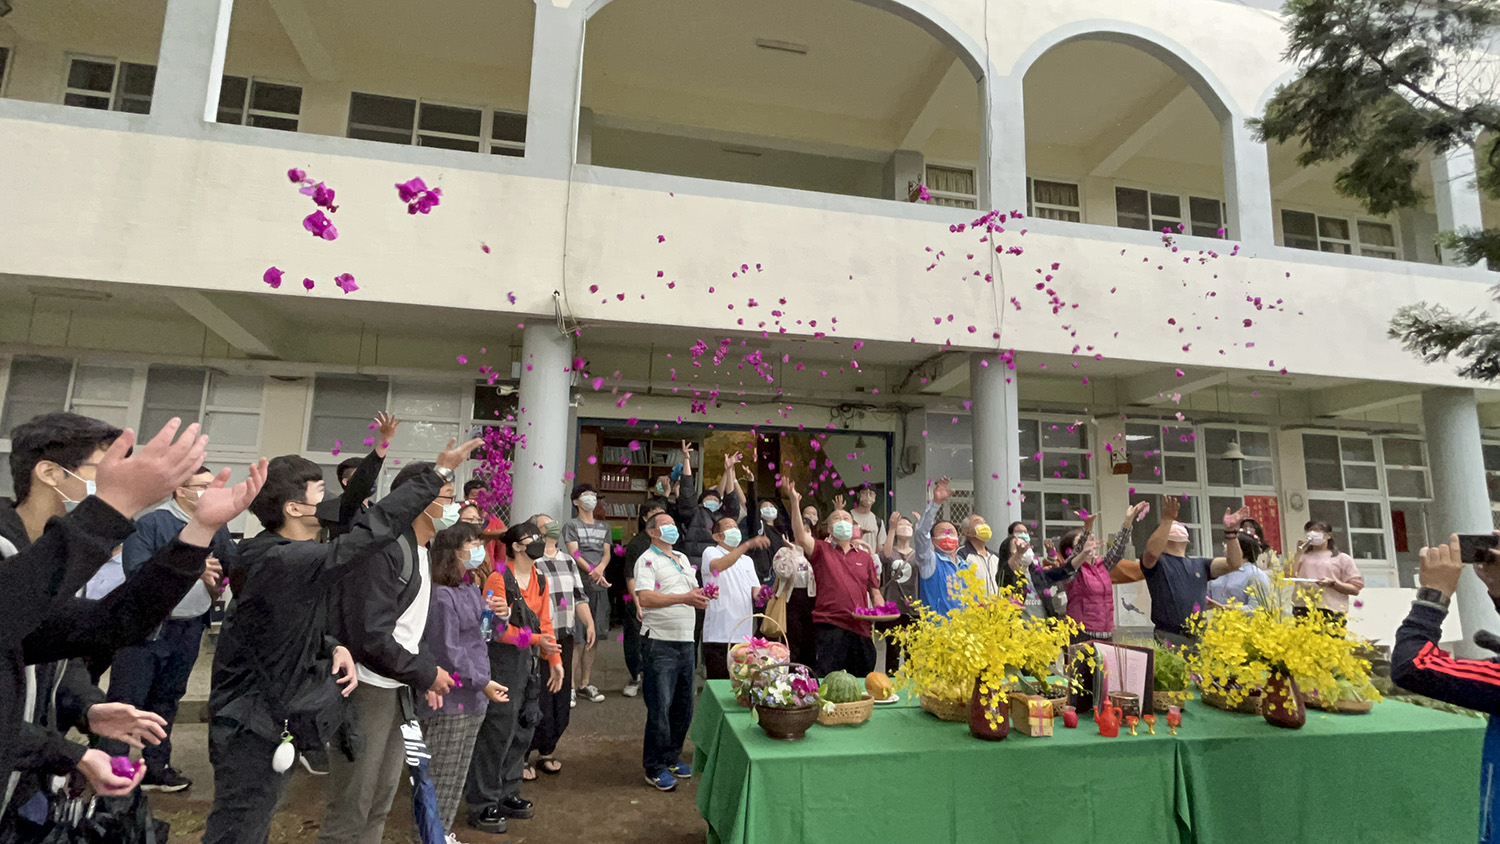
[768,513]
[669,534]
[476,556]
[89,488]
[711,505]
[448,519]
[732,537]
[843,531]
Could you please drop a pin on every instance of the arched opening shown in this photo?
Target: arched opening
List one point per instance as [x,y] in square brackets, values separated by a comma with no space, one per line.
[382,70]
[832,96]
[1115,136]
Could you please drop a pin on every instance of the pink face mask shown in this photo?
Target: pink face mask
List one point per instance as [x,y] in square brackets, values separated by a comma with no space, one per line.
[1177,533]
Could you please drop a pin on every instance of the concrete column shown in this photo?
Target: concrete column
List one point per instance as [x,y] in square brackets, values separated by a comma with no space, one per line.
[585,136]
[904,168]
[1455,194]
[1247,186]
[190,64]
[1460,499]
[1003,140]
[546,358]
[556,79]
[997,441]
[1114,490]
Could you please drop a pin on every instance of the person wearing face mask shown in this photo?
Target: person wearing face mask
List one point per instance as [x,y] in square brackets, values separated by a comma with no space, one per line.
[357,478]
[1091,594]
[573,619]
[622,590]
[454,638]
[153,674]
[865,518]
[493,788]
[771,523]
[588,540]
[847,579]
[724,500]
[667,591]
[1177,583]
[1318,558]
[381,617]
[938,560]
[977,534]
[728,619]
[898,580]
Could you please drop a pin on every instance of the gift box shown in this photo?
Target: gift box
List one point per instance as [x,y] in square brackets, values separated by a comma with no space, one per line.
[1030,715]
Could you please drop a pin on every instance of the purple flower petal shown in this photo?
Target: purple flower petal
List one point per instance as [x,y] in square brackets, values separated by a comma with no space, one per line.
[272,277]
[345,282]
[307,283]
[296,174]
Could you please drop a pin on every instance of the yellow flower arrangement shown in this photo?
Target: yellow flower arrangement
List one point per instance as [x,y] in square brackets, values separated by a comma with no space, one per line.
[988,638]
[1240,650]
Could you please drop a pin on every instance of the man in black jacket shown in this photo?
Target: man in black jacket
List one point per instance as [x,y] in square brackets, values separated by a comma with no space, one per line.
[358,477]
[274,667]
[381,617]
[1418,664]
[57,460]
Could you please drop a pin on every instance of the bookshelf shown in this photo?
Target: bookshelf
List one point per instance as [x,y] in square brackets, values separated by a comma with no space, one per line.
[624,467]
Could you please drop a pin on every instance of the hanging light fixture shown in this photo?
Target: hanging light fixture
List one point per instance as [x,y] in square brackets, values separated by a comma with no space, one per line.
[1233,452]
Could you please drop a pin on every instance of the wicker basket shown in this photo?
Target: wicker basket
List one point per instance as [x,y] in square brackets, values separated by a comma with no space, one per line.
[1163,701]
[1250,705]
[857,712]
[1346,707]
[947,710]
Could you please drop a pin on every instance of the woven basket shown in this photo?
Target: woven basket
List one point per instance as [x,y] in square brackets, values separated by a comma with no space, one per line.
[1163,701]
[947,710]
[1250,705]
[1346,707]
[857,712]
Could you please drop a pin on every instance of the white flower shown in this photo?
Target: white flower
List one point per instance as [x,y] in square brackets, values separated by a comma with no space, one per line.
[828,708]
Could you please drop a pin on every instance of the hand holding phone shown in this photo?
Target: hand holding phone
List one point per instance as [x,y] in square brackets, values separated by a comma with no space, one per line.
[1478,548]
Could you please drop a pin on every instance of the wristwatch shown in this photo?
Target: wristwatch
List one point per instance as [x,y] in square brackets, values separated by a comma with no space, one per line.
[1434,597]
[445,473]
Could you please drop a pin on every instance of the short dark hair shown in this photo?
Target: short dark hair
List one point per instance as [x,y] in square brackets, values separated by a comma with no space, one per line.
[652,505]
[580,489]
[1011,531]
[1070,538]
[409,472]
[1327,529]
[520,533]
[656,520]
[471,487]
[67,439]
[707,492]
[347,468]
[939,523]
[719,524]
[287,478]
[447,565]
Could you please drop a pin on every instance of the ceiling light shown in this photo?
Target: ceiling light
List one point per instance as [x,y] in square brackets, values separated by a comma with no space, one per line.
[781,46]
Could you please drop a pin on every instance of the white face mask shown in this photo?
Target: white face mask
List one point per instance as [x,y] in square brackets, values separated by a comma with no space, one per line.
[476,556]
[448,518]
[768,513]
[1316,538]
[588,502]
[89,488]
[732,537]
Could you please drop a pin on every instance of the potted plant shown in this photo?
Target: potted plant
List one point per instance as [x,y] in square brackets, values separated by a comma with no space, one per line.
[1170,684]
[785,698]
[1272,649]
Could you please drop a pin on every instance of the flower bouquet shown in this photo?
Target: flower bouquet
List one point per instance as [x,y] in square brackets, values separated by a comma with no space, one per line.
[1268,647]
[764,595]
[785,698]
[711,591]
[747,658]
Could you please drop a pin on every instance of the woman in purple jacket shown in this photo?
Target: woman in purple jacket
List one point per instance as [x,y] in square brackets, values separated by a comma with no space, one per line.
[454,638]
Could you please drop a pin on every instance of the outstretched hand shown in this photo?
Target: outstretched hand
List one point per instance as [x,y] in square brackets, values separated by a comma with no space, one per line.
[940,490]
[219,504]
[1232,519]
[132,483]
[452,458]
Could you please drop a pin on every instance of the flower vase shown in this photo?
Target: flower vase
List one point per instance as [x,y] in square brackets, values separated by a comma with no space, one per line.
[1282,703]
[989,714]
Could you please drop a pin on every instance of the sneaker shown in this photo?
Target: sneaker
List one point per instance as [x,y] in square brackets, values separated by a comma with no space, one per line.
[663,781]
[572,698]
[168,780]
[450,838]
[632,688]
[516,807]
[490,820]
[315,761]
[681,770]
[592,693]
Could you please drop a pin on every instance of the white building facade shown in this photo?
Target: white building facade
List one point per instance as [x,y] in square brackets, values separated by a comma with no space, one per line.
[623,179]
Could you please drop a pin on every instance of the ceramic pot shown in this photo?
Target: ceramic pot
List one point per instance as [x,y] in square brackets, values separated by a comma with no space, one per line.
[981,712]
[786,724]
[1282,703]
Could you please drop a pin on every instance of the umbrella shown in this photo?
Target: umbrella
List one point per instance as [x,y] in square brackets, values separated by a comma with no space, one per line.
[424,803]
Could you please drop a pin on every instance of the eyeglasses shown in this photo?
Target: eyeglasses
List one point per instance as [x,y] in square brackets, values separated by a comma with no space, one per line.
[447,499]
[196,487]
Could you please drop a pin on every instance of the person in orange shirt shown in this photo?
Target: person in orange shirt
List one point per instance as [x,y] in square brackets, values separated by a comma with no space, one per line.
[519,591]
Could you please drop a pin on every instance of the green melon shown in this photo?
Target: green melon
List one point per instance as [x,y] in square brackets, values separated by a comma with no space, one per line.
[842,687]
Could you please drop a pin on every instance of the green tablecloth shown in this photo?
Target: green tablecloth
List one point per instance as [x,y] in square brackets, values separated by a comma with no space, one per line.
[1401,773]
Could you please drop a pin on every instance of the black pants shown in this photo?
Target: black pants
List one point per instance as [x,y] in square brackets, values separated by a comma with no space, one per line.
[556,706]
[893,651]
[801,638]
[246,790]
[153,675]
[632,640]
[505,736]
[716,660]
[840,650]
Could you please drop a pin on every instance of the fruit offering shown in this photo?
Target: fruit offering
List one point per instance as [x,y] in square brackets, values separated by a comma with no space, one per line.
[841,687]
[1174,718]
[749,657]
[878,685]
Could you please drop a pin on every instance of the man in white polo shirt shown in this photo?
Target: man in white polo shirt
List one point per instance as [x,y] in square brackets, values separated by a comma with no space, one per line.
[667,591]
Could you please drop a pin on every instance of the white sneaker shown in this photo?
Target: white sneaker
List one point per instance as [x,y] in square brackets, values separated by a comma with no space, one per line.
[593,693]
[450,838]
[573,699]
[632,688]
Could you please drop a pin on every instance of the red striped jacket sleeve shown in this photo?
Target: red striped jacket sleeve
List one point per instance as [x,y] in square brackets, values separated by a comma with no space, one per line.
[1419,665]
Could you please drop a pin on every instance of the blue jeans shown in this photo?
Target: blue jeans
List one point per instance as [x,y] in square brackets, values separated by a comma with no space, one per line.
[153,675]
[668,690]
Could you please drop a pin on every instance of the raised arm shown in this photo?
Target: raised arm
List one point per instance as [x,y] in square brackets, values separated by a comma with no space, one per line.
[725,561]
[800,535]
[1171,505]
[922,536]
[1233,557]
[1116,551]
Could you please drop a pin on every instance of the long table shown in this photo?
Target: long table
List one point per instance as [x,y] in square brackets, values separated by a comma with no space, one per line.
[1399,774]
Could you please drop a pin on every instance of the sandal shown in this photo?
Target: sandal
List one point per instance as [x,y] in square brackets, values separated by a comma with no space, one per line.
[528,773]
[549,766]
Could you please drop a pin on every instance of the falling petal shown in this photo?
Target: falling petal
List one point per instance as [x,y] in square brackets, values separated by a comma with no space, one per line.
[272,277]
[345,282]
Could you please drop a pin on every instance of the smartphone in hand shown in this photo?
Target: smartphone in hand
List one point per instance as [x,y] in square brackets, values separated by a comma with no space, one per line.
[1478,547]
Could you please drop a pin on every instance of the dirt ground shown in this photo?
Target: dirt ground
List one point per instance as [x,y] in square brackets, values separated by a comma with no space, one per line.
[600,796]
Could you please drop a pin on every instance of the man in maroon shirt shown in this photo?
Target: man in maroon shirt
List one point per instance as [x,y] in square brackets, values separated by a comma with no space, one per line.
[846,578]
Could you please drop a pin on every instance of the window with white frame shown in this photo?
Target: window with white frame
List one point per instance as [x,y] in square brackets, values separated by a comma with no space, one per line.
[227,406]
[396,120]
[1056,475]
[109,84]
[256,102]
[1200,216]
[1306,230]
[1053,200]
[1356,482]
[1187,461]
[954,187]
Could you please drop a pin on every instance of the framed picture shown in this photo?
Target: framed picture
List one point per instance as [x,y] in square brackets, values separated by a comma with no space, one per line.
[1117,668]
